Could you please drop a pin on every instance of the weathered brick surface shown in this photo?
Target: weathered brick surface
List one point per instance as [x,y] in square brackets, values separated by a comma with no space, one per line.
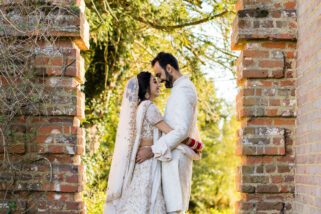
[59,202]
[264,23]
[262,140]
[265,4]
[308,130]
[266,33]
[59,18]
[46,142]
[61,58]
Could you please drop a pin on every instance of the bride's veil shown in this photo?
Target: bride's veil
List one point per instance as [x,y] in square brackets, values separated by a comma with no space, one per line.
[125,139]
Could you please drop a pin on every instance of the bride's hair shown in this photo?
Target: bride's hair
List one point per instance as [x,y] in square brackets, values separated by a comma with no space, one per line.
[143,84]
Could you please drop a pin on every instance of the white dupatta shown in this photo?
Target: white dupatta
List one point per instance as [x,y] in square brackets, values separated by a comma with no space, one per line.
[127,143]
[125,138]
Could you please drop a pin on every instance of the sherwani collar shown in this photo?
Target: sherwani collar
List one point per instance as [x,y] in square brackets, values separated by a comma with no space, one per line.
[180,80]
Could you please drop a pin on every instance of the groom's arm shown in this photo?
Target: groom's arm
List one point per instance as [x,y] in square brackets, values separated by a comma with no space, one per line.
[182,113]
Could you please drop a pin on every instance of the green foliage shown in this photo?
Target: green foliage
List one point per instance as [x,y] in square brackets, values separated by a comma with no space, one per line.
[213,176]
[125,36]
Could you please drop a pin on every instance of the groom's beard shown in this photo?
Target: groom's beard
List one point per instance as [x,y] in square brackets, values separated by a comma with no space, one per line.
[169,80]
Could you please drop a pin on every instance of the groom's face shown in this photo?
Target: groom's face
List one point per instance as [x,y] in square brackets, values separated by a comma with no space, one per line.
[163,75]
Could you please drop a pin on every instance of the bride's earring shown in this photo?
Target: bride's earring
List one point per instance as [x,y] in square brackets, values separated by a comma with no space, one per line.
[147,95]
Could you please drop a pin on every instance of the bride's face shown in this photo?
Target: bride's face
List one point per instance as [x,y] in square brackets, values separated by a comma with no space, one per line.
[154,87]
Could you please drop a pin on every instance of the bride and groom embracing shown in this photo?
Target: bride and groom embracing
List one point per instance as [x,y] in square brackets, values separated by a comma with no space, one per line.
[151,168]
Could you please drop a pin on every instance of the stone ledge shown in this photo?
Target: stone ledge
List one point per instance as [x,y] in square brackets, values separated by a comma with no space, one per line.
[260,24]
[53,2]
[61,22]
[278,4]
[55,101]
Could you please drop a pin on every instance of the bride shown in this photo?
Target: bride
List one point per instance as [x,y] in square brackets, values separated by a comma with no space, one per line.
[135,187]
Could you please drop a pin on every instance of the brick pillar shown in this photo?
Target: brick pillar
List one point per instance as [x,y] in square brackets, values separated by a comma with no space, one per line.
[265,32]
[308,131]
[41,169]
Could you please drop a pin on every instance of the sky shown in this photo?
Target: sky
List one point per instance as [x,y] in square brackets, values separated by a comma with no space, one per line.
[223,79]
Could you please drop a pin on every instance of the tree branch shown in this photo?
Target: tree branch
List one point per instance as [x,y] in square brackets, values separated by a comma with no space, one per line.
[172,27]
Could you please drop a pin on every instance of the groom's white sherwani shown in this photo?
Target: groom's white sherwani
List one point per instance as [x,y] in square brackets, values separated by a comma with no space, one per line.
[177,158]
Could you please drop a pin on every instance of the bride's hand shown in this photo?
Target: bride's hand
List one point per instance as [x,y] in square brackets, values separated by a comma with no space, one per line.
[144,153]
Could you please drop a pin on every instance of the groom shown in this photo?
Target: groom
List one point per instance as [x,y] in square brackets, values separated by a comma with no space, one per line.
[180,114]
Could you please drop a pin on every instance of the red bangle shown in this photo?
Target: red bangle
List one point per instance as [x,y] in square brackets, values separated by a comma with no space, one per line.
[192,143]
[199,145]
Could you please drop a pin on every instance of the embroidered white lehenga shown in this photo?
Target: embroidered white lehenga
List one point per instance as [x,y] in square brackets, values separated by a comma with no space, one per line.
[135,188]
[138,197]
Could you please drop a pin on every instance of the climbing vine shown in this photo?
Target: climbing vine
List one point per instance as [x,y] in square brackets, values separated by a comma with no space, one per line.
[26,45]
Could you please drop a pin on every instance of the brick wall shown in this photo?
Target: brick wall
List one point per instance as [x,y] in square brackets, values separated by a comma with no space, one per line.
[265,32]
[41,169]
[308,130]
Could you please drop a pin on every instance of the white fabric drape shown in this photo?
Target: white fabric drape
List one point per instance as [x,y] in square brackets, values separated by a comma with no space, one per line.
[124,157]
[180,114]
[125,138]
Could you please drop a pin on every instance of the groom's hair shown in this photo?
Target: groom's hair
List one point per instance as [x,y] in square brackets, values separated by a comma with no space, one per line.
[164,59]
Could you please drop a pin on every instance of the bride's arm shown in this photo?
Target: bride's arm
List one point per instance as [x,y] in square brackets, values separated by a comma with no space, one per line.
[165,128]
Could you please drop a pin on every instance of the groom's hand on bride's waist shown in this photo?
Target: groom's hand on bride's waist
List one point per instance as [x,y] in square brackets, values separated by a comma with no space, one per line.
[144,153]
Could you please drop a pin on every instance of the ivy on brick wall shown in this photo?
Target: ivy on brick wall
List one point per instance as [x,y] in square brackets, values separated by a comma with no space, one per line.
[125,36]
[36,99]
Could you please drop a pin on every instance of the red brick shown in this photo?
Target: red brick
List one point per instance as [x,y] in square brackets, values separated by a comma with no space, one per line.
[16,149]
[69,188]
[290,54]
[256,160]
[277,179]
[287,83]
[42,60]
[283,168]
[276,14]
[72,205]
[260,121]
[254,73]
[73,179]
[277,5]
[270,188]
[57,61]
[270,206]
[274,102]
[277,45]
[255,53]
[271,63]
[271,151]
[271,112]
[290,5]
[56,149]
[277,73]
